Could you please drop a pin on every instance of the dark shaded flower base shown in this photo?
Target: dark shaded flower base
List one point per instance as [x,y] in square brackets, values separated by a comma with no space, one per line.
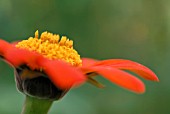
[39,87]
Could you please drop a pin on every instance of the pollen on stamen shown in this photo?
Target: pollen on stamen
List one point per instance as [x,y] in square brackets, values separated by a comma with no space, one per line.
[53,47]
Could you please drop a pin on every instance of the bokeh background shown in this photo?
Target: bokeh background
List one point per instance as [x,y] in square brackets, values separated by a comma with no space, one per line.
[138,30]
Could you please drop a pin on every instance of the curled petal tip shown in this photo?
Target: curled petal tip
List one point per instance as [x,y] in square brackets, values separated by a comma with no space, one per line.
[140,89]
[155,78]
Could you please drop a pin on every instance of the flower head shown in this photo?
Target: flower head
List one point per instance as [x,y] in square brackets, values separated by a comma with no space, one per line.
[48,66]
[52,47]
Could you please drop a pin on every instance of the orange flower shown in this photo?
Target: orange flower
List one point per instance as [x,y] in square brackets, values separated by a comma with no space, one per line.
[55,59]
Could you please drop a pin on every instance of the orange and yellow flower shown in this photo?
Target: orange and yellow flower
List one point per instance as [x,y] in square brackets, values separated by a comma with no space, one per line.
[55,58]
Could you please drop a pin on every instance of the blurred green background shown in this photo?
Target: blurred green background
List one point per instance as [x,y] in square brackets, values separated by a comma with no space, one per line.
[138,30]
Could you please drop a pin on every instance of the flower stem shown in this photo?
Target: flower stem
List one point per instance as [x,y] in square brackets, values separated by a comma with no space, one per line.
[34,105]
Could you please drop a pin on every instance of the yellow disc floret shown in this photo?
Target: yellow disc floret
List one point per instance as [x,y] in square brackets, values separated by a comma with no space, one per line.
[53,47]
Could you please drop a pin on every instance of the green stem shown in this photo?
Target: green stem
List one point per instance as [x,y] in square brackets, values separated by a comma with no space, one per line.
[34,105]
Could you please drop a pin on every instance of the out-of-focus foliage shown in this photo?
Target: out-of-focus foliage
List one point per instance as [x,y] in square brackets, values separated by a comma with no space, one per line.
[131,29]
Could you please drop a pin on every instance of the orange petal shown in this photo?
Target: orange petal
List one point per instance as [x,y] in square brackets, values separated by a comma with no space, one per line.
[121,78]
[15,56]
[4,46]
[18,57]
[88,62]
[135,67]
[61,74]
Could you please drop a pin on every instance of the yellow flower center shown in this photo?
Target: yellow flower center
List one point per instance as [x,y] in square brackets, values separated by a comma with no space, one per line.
[52,47]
